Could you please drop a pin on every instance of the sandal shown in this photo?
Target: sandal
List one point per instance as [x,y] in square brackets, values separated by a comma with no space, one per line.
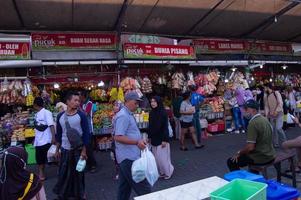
[183,149]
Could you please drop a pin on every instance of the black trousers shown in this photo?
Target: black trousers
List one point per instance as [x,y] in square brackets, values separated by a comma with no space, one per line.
[243,161]
[91,162]
[126,183]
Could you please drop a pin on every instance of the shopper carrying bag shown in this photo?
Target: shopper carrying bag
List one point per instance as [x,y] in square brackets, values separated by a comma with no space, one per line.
[159,137]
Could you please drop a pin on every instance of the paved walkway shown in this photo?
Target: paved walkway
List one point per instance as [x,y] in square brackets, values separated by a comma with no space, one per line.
[189,166]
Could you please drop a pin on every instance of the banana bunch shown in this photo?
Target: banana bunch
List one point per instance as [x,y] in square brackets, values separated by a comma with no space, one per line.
[29,100]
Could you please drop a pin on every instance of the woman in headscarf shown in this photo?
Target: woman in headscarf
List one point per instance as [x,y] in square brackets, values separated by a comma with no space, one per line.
[16,183]
[159,136]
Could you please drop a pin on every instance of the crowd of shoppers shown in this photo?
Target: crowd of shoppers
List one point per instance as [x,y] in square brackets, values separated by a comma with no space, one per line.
[258,112]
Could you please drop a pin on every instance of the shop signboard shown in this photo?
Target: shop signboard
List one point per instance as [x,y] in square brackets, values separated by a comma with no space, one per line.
[14,50]
[270,48]
[73,41]
[204,46]
[145,39]
[222,46]
[157,51]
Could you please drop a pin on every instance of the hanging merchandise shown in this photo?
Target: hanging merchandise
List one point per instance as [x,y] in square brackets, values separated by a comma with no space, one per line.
[146,85]
[190,79]
[113,94]
[178,81]
[131,84]
[207,82]
[239,80]
[120,96]
[15,92]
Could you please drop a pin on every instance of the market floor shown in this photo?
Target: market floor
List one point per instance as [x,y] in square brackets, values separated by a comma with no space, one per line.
[189,166]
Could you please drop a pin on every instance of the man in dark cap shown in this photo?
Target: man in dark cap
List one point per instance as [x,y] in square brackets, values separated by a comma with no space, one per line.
[129,144]
[259,149]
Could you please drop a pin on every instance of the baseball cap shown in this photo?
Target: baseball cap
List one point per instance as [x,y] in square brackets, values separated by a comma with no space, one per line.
[251,104]
[132,96]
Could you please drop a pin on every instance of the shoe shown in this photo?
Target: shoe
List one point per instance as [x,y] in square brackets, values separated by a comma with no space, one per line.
[199,147]
[183,149]
[236,132]
[243,131]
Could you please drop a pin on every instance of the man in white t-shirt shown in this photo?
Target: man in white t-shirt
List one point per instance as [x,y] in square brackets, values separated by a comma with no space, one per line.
[44,134]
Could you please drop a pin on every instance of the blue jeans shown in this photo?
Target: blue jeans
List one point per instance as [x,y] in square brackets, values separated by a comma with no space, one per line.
[238,118]
[126,183]
[197,125]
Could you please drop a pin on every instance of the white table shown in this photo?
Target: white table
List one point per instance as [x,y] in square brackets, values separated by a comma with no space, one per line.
[191,191]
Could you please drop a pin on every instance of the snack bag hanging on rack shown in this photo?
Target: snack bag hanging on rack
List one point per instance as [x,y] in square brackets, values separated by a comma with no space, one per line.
[113,94]
[120,94]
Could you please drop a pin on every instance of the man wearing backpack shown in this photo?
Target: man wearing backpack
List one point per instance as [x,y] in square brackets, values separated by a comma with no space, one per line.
[273,104]
[73,138]
[44,134]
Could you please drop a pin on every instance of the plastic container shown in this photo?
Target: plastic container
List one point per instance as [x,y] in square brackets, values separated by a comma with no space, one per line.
[278,191]
[243,174]
[31,151]
[240,189]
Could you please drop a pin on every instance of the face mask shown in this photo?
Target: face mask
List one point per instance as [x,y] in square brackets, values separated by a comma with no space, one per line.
[248,116]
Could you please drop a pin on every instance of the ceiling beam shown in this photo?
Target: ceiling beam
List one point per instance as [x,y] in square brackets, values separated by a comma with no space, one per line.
[18,13]
[120,18]
[189,31]
[294,37]
[269,21]
[148,16]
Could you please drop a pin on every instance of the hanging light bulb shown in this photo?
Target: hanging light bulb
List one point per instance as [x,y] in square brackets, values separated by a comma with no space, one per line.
[252,78]
[56,86]
[261,66]
[271,80]
[275,19]
[226,81]
[100,84]
[284,67]
[233,69]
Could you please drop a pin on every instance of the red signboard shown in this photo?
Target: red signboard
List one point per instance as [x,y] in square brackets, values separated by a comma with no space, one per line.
[156,51]
[73,41]
[216,46]
[14,51]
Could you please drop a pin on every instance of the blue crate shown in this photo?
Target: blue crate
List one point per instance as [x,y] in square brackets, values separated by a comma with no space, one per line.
[243,174]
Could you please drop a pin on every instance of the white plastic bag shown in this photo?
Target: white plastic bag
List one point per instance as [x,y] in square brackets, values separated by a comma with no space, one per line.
[151,172]
[170,131]
[51,154]
[138,169]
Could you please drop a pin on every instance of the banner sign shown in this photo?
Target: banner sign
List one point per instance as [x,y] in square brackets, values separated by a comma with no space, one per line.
[217,46]
[14,51]
[156,51]
[73,41]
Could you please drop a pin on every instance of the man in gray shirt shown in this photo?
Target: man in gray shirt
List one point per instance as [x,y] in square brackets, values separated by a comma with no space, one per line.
[128,145]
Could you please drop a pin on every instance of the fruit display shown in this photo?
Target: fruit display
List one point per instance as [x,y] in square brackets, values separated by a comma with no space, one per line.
[102,119]
[99,95]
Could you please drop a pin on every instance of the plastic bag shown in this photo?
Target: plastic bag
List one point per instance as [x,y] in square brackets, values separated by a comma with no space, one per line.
[139,169]
[51,154]
[151,172]
[170,131]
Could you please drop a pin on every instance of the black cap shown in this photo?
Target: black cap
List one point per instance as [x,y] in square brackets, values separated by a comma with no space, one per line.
[251,104]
